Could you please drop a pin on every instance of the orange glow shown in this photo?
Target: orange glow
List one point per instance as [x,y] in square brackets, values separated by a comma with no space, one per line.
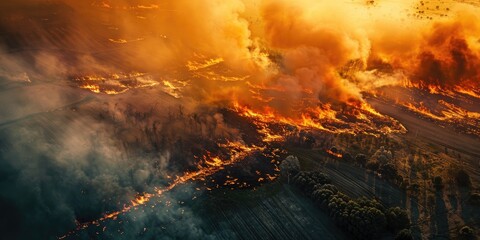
[286,66]
[115,83]
[316,118]
[90,87]
[468,91]
[237,150]
[338,155]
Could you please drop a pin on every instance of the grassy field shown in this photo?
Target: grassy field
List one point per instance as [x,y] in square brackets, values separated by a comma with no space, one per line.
[273,211]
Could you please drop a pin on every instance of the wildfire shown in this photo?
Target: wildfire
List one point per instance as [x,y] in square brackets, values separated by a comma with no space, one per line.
[108,5]
[470,92]
[212,161]
[174,87]
[421,109]
[194,65]
[448,107]
[91,87]
[450,111]
[213,164]
[432,89]
[123,41]
[335,154]
[115,83]
[322,118]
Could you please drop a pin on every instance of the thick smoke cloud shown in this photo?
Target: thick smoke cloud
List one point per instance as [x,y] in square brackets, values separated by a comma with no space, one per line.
[281,48]
[67,155]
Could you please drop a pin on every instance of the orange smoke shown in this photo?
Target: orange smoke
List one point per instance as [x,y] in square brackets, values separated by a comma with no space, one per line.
[278,56]
[444,53]
[447,59]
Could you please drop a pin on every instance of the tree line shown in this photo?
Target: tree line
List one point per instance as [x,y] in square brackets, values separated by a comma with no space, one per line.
[363,218]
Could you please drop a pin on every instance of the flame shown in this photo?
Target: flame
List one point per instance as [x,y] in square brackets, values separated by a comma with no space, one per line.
[421,109]
[123,41]
[174,88]
[194,66]
[115,83]
[317,118]
[446,112]
[470,92]
[212,161]
[237,152]
[151,6]
[430,88]
[451,111]
[338,155]
[91,87]
[108,5]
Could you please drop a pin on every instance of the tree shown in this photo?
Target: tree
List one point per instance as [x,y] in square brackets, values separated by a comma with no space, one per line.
[361,159]
[404,234]
[347,157]
[438,182]
[382,159]
[466,233]
[364,218]
[397,219]
[322,193]
[462,178]
[377,219]
[334,149]
[389,171]
[289,167]
[373,165]
[308,180]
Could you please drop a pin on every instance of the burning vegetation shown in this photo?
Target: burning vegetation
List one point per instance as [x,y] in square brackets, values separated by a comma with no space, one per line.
[214,93]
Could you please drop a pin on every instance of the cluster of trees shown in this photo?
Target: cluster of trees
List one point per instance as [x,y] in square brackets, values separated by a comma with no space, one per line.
[380,163]
[363,218]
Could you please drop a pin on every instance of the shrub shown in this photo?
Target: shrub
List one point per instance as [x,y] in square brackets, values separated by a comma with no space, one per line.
[389,171]
[397,219]
[466,233]
[307,180]
[361,159]
[373,165]
[289,167]
[404,234]
[475,199]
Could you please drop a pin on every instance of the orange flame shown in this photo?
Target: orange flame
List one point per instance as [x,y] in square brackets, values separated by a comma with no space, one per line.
[238,151]
[338,155]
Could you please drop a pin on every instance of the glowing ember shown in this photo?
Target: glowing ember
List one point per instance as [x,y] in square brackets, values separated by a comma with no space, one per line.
[123,41]
[194,66]
[335,154]
[115,83]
